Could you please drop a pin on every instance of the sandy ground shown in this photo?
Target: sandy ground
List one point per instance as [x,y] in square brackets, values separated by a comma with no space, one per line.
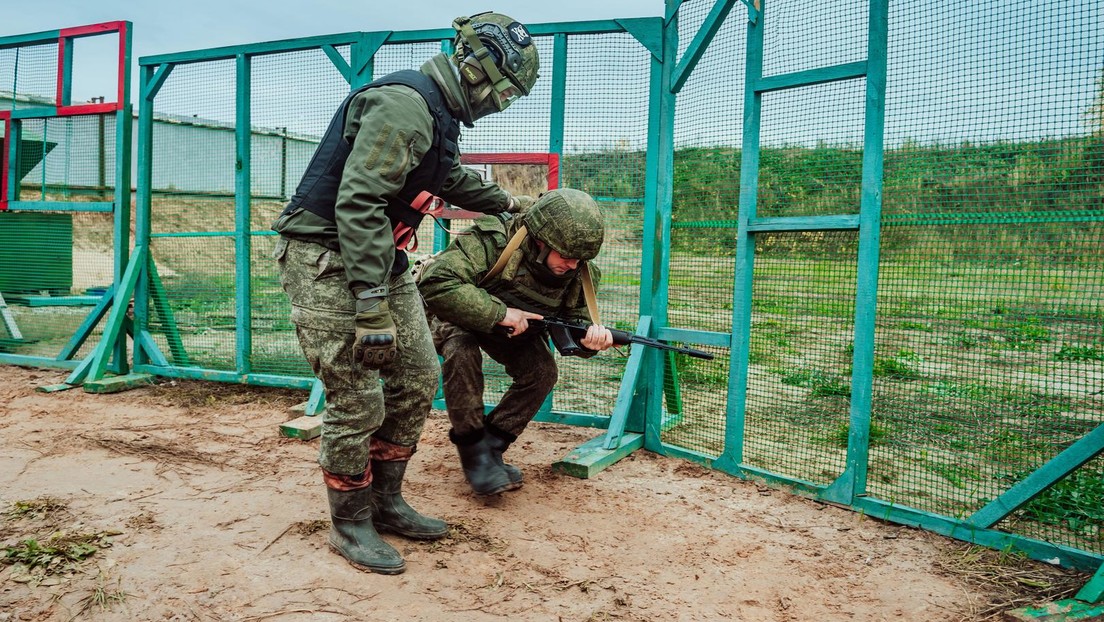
[215,516]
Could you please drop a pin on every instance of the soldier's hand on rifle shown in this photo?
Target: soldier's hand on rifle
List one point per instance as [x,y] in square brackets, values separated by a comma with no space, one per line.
[517,321]
[597,338]
[376,339]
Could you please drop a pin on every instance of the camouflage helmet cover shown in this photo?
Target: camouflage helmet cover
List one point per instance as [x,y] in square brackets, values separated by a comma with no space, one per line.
[569,221]
[495,48]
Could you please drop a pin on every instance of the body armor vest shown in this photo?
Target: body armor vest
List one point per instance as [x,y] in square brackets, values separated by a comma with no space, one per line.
[317,191]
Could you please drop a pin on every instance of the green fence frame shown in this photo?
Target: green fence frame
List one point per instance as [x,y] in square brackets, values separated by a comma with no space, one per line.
[110,353]
[642,411]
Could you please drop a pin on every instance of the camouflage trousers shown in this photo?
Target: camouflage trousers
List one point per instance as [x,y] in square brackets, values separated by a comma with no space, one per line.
[527,360]
[358,405]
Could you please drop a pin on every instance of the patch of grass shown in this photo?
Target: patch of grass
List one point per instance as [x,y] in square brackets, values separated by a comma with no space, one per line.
[913,325]
[901,366]
[1073,502]
[58,554]
[36,508]
[1012,447]
[820,382]
[838,435]
[956,474]
[696,371]
[1078,353]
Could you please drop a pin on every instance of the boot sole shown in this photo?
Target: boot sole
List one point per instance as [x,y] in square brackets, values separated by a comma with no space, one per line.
[411,534]
[389,570]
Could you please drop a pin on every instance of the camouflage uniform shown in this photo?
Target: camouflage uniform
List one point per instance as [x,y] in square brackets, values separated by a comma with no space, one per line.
[326,260]
[464,312]
[354,304]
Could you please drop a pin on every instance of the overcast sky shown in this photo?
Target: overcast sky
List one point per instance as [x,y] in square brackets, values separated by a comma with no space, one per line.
[175,27]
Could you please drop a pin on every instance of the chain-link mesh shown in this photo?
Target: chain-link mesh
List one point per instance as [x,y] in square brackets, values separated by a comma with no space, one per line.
[989,351]
[192,294]
[56,264]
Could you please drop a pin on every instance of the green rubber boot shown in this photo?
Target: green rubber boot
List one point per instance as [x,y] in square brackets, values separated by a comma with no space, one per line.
[390,512]
[353,536]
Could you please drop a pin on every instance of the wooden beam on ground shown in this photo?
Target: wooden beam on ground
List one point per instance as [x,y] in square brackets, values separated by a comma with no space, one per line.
[591,457]
[304,428]
[1058,611]
[54,388]
[117,384]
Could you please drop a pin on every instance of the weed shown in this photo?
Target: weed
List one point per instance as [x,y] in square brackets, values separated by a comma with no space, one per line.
[1078,353]
[901,366]
[1074,501]
[58,554]
[839,435]
[36,508]
[912,325]
[821,383]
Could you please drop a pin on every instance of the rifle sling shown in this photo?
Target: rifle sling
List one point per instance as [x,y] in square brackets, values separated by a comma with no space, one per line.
[511,247]
[589,294]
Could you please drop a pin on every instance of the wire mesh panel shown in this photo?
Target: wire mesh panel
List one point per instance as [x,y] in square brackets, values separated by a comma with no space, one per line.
[58,244]
[990,334]
[28,76]
[294,96]
[192,294]
[799,368]
[705,188]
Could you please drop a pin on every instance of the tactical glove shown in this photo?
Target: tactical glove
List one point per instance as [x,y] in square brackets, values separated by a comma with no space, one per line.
[376,340]
[519,204]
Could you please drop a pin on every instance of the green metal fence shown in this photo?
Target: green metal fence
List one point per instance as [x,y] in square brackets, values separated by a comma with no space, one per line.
[884,219]
[64,195]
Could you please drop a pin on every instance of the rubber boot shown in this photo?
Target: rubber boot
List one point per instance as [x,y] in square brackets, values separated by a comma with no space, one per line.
[484,475]
[353,536]
[390,512]
[499,441]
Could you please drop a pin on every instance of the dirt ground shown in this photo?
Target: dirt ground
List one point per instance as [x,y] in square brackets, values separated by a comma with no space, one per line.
[200,510]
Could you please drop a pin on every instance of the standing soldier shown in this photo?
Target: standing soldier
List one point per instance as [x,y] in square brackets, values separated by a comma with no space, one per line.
[481,293]
[354,304]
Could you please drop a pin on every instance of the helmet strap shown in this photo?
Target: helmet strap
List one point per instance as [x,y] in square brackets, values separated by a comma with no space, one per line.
[478,65]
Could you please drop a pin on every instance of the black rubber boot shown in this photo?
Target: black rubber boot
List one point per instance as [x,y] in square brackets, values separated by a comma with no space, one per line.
[390,512]
[499,441]
[353,536]
[483,473]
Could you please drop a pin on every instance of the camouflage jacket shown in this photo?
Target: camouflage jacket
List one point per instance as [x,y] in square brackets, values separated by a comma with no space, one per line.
[390,128]
[450,284]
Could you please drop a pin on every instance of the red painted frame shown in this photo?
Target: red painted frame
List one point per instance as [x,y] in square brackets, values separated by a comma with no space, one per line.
[551,160]
[63,109]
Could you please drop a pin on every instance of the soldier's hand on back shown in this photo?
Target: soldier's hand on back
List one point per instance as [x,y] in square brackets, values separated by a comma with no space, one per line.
[519,203]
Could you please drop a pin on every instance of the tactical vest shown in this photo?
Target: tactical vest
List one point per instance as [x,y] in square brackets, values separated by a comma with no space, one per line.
[317,191]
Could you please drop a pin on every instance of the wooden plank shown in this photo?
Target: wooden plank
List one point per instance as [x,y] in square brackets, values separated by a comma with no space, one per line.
[1058,611]
[56,301]
[116,384]
[304,428]
[590,458]
[54,388]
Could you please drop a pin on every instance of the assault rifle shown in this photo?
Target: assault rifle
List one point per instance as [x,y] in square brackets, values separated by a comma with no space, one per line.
[566,335]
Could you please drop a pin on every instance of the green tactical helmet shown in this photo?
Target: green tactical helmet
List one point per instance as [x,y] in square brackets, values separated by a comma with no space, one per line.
[497,59]
[569,221]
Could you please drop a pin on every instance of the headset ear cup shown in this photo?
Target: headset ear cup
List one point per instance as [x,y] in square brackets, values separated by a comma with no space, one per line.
[471,70]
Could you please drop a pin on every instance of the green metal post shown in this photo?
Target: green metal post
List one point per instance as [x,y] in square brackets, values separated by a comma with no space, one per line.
[148,91]
[739,346]
[559,93]
[123,132]
[243,193]
[658,196]
[853,481]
